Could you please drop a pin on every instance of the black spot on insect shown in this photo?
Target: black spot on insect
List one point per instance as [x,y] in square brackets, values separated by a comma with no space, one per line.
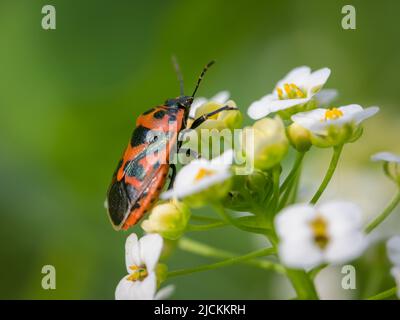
[118,202]
[136,205]
[159,114]
[156,165]
[139,136]
[172,118]
[148,111]
[134,169]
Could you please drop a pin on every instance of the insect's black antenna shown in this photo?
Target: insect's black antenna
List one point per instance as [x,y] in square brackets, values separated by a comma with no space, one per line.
[178,73]
[208,65]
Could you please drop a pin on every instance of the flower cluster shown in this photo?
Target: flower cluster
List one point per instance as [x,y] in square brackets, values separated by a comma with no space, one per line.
[304,236]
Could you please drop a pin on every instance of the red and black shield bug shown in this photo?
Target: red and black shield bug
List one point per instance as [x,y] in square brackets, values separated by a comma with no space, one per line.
[139,178]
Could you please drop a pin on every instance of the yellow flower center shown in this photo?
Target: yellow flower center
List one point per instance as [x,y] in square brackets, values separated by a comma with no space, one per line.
[138,273]
[333,113]
[203,173]
[320,231]
[292,92]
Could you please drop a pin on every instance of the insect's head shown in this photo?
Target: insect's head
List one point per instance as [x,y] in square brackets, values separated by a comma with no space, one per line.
[180,102]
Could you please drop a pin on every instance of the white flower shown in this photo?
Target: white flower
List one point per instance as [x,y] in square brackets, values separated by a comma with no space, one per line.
[200,174]
[393,251]
[297,88]
[220,98]
[320,120]
[326,96]
[141,257]
[391,164]
[311,235]
[386,157]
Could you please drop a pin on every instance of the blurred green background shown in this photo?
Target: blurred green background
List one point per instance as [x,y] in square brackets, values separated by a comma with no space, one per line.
[69,99]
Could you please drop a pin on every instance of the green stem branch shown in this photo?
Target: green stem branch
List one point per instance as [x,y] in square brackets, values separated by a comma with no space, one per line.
[205,250]
[302,284]
[228,219]
[224,263]
[293,172]
[385,213]
[206,227]
[385,294]
[328,176]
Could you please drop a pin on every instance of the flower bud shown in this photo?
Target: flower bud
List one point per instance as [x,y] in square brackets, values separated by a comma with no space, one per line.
[168,219]
[265,143]
[299,137]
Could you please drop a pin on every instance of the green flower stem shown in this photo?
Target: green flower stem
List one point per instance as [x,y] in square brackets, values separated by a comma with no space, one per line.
[290,194]
[314,272]
[292,174]
[204,250]
[385,294]
[293,195]
[302,284]
[331,169]
[206,227]
[227,218]
[276,172]
[385,213]
[199,218]
[224,263]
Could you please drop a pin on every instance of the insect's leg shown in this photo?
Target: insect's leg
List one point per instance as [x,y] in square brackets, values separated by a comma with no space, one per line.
[206,116]
[173,175]
[190,152]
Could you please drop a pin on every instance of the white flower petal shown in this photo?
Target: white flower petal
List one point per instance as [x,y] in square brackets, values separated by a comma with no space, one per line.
[165,293]
[365,114]
[197,102]
[346,247]
[146,289]
[293,222]
[386,156]
[224,160]
[297,76]
[315,120]
[132,252]
[393,250]
[317,79]
[221,97]
[150,250]
[311,120]
[300,253]
[277,105]
[186,182]
[137,290]
[342,217]
[259,109]
[326,96]
[124,290]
